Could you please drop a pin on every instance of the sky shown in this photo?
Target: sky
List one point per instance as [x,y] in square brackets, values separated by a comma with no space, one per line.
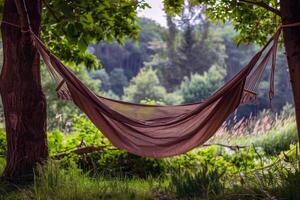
[155,13]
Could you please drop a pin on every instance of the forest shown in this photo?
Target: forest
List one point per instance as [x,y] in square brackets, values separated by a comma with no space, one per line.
[53,149]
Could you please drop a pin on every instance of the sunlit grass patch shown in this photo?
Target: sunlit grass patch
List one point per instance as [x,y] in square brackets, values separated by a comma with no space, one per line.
[53,182]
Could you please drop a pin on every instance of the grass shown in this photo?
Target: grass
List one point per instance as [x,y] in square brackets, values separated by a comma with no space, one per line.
[52,182]
[282,184]
[273,135]
[58,183]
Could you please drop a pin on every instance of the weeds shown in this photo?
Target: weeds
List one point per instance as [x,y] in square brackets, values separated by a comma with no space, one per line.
[204,183]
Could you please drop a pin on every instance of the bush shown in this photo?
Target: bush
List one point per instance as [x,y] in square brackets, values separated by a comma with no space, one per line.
[118,163]
[110,162]
[199,87]
[145,85]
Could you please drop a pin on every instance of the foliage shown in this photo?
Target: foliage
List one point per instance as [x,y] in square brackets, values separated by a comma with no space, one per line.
[118,80]
[2,142]
[146,85]
[174,98]
[267,143]
[211,45]
[273,143]
[194,49]
[115,163]
[273,133]
[291,184]
[53,181]
[69,27]
[200,47]
[103,76]
[283,90]
[132,55]
[203,183]
[59,112]
[237,56]
[212,172]
[83,133]
[253,23]
[1,106]
[109,161]
[198,87]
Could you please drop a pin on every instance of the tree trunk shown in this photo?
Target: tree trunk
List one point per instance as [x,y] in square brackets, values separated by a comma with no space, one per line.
[290,13]
[20,87]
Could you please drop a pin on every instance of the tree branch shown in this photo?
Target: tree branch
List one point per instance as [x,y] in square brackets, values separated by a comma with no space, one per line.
[79,151]
[232,147]
[92,149]
[263,5]
[52,12]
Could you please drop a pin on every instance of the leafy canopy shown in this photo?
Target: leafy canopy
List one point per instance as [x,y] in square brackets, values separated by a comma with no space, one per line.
[68,27]
[253,22]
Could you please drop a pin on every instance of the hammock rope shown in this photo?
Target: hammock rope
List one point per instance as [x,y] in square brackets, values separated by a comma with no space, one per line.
[155,130]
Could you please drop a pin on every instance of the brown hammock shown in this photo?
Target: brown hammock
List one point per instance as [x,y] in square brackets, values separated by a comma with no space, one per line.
[160,131]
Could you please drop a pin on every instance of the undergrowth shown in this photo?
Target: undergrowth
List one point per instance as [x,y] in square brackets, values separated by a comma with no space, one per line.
[264,165]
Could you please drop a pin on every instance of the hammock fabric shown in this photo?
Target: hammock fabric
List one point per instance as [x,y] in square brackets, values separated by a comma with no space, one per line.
[161,131]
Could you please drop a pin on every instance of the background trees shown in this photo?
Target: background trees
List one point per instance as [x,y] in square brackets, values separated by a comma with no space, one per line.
[214,45]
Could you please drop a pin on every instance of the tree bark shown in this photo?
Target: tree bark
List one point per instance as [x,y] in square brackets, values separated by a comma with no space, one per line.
[20,87]
[290,13]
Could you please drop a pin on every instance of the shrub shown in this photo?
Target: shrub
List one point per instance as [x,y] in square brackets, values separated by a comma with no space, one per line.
[118,163]
[110,162]
[199,87]
[145,85]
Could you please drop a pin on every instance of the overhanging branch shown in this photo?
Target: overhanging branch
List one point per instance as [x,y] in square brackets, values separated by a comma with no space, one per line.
[263,5]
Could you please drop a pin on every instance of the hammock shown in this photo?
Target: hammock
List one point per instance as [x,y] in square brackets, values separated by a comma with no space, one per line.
[155,130]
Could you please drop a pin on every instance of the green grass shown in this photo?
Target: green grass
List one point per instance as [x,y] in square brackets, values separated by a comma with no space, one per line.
[52,182]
